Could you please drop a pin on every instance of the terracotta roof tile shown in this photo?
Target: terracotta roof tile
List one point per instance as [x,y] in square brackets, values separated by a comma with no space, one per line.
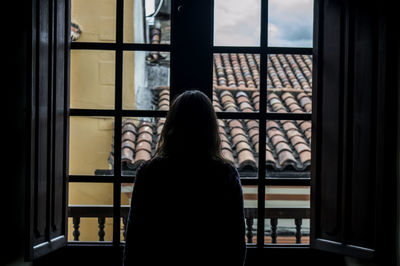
[236,80]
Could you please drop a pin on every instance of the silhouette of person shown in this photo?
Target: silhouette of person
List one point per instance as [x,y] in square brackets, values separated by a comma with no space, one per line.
[187,201]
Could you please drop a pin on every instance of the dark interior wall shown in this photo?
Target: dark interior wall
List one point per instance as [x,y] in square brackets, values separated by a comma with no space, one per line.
[14,125]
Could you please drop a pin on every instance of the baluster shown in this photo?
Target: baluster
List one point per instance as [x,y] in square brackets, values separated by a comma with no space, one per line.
[298,222]
[76,220]
[124,221]
[249,223]
[274,223]
[102,221]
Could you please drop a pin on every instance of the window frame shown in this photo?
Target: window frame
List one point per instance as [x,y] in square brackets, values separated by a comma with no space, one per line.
[118,113]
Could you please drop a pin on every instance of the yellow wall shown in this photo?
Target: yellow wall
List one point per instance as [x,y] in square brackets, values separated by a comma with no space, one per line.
[92,86]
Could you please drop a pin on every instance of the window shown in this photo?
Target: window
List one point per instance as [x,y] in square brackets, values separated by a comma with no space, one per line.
[261,88]
[261,94]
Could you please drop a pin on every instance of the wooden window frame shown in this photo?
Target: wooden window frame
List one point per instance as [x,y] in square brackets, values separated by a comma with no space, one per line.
[384,209]
[179,48]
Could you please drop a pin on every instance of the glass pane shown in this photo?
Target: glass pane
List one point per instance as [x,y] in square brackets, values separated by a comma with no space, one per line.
[290,23]
[146,80]
[237,23]
[288,151]
[236,82]
[239,141]
[92,79]
[139,141]
[91,141]
[90,212]
[93,20]
[250,197]
[289,83]
[287,214]
[147,21]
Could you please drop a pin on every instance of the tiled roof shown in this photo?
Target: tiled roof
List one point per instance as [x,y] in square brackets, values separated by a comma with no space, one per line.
[236,78]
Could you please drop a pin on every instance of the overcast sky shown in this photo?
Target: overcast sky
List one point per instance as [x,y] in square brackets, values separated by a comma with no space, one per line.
[237,22]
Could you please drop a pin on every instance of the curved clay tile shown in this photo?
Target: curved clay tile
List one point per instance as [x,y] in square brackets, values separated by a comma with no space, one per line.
[272,124]
[142,156]
[128,135]
[163,101]
[164,92]
[128,144]
[270,157]
[297,139]
[227,98]
[217,108]
[246,159]
[128,148]
[163,95]
[286,158]
[235,123]
[127,156]
[221,130]
[146,127]
[292,133]
[238,138]
[300,147]
[290,101]
[143,145]
[273,132]
[237,131]
[227,154]
[145,136]
[223,137]
[254,139]
[230,107]
[282,146]
[256,147]
[251,124]
[163,108]
[287,95]
[307,59]
[277,139]
[226,145]
[128,126]
[308,134]
[305,156]
[242,99]
[253,133]
[242,145]
[246,107]
[305,125]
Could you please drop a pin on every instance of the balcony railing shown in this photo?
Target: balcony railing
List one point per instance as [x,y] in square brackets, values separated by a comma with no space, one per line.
[101,212]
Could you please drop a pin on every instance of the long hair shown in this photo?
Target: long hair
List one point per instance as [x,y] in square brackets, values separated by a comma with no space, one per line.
[191,129]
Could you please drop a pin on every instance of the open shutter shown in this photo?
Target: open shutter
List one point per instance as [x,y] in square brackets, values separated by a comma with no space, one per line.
[348,180]
[47,190]
[342,193]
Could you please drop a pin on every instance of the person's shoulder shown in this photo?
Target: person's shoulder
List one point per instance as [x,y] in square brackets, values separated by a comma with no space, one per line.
[153,163]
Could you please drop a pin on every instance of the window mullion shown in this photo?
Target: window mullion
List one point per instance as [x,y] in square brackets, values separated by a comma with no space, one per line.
[118,123]
[262,124]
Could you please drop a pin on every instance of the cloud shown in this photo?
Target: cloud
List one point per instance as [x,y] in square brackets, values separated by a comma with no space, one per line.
[237,22]
[293,23]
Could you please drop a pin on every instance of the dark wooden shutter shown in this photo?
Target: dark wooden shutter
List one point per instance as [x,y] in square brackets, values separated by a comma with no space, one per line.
[47,190]
[348,141]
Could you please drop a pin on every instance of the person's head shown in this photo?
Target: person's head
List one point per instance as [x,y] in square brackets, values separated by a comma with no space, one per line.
[191,129]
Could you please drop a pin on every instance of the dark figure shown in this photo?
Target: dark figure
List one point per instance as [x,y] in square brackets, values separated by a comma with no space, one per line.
[187,202]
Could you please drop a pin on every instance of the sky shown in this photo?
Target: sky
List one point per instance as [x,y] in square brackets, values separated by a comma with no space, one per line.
[237,23]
